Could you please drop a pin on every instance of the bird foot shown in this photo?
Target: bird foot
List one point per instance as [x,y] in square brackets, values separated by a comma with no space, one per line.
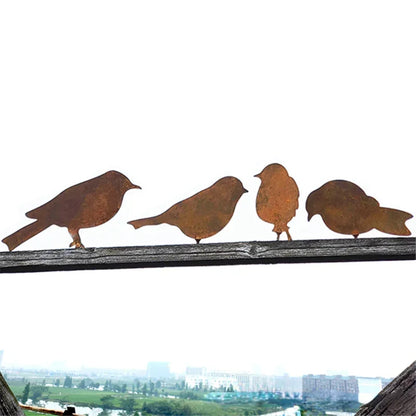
[77,244]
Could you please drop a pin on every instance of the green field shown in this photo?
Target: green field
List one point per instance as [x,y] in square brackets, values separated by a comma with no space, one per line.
[153,405]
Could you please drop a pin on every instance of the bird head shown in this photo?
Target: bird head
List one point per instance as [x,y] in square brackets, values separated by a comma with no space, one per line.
[238,186]
[231,186]
[272,170]
[121,180]
[313,204]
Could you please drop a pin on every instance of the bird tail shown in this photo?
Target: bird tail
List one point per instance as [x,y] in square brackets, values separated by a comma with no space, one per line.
[20,236]
[392,221]
[158,219]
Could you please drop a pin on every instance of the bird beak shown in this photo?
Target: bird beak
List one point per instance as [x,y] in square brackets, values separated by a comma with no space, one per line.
[257,176]
[135,186]
[245,190]
[309,216]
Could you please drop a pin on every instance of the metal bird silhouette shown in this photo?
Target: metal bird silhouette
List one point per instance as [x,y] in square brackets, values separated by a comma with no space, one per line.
[277,198]
[84,205]
[346,209]
[203,214]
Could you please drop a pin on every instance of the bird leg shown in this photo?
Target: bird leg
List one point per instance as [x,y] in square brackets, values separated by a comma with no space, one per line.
[278,235]
[76,239]
[289,237]
[197,240]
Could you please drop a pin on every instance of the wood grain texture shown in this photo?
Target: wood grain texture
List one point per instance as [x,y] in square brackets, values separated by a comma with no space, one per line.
[8,403]
[254,252]
[398,398]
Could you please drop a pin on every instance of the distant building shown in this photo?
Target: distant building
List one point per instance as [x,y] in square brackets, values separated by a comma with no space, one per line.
[217,380]
[197,371]
[199,377]
[196,377]
[158,370]
[332,388]
[291,386]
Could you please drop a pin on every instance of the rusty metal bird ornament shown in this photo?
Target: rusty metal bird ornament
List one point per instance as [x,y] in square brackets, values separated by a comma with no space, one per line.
[84,205]
[203,214]
[346,209]
[277,198]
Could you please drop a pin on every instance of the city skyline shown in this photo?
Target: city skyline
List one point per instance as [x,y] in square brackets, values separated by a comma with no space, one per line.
[180,371]
[308,386]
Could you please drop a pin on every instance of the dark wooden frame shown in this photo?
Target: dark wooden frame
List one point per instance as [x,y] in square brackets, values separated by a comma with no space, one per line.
[254,252]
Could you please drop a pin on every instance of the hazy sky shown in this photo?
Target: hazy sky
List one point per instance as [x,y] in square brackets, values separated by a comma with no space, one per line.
[177,95]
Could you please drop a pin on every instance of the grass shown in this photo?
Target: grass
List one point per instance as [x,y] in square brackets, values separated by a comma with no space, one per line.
[92,398]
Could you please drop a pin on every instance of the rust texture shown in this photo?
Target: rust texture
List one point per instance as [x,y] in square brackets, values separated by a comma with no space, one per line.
[277,198]
[346,209]
[203,214]
[84,205]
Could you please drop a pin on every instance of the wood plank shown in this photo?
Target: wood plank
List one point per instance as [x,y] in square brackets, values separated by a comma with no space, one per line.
[398,398]
[254,252]
[8,403]
[48,411]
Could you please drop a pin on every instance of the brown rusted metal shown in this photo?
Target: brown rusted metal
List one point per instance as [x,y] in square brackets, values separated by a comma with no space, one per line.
[203,214]
[84,205]
[346,209]
[277,198]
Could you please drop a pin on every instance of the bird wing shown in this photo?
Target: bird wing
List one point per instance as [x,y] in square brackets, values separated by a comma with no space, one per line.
[40,212]
[295,192]
[201,215]
[64,206]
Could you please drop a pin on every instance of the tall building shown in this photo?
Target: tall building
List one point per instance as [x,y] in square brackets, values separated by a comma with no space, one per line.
[158,370]
[242,382]
[196,376]
[196,371]
[332,388]
[218,379]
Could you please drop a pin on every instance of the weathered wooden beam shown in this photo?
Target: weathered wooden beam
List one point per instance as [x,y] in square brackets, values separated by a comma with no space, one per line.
[397,398]
[69,411]
[8,403]
[254,252]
